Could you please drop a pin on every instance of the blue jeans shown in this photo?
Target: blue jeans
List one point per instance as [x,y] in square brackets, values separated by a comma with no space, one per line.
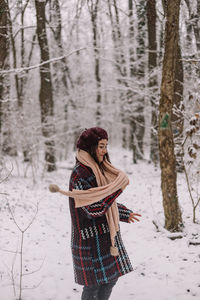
[98,292]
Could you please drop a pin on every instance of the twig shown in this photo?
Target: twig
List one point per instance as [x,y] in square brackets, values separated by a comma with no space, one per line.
[21,265]
[194,243]
[12,272]
[10,251]
[33,287]
[35,271]
[21,245]
[191,60]
[34,217]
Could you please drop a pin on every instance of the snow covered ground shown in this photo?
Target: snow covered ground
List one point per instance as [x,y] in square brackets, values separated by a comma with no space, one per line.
[164,269]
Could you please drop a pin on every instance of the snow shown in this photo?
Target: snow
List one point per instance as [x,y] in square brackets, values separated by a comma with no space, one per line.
[164,269]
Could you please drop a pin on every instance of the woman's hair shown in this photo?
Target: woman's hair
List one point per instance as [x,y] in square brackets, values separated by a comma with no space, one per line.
[91,137]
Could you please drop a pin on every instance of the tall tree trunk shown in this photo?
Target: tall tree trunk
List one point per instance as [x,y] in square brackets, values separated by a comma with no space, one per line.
[138,114]
[56,27]
[177,116]
[172,211]
[14,57]
[61,78]
[45,95]
[7,145]
[153,82]
[93,9]
[120,65]
[22,82]
[3,49]
[196,27]
[131,37]
[132,75]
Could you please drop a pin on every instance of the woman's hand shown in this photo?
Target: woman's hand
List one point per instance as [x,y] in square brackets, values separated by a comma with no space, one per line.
[132,217]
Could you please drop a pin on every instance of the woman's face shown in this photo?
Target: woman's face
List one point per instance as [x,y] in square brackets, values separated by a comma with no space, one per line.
[101,149]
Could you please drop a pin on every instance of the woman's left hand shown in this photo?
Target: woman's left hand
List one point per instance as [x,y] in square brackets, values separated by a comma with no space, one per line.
[132,217]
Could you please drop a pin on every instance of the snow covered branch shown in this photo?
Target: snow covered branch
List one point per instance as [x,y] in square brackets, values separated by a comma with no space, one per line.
[52,60]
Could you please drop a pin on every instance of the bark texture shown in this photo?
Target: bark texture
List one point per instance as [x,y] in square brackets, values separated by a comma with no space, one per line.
[172,211]
[177,116]
[45,96]
[153,82]
[120,65]
[3,48]
[138,120]
[93,9]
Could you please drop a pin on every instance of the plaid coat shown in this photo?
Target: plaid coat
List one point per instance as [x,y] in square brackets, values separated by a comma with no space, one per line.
[90,240]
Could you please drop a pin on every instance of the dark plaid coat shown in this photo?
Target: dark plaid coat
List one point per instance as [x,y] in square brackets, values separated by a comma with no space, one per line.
[90,241]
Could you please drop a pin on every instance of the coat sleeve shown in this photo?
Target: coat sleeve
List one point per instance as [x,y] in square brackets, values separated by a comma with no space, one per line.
[99,208]
[124,212]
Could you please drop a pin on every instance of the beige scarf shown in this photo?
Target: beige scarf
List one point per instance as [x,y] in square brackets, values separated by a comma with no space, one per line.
[108,182]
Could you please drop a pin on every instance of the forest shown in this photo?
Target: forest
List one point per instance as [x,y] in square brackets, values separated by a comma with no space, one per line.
[131,67]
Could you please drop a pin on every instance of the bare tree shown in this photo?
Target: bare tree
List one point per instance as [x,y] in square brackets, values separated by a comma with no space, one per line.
[61,76]
[177,116]
[121,68]
[17,46]
[55,22]
[21,81]
[45,95]
[139,119]
[3,47]
[7,144]
[153,81]
[93,9]
[133,124]
[173,219]
[178,106]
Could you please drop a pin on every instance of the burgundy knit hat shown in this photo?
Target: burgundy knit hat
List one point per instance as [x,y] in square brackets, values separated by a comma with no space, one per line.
[91,137]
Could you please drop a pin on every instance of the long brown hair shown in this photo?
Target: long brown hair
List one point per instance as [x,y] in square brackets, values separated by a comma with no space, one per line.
[92,152]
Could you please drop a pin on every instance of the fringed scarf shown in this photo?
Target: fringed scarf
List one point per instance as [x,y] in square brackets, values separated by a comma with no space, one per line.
[108,181]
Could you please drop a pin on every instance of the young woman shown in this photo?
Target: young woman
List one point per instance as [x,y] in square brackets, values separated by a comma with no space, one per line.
[97,261]
[99,256]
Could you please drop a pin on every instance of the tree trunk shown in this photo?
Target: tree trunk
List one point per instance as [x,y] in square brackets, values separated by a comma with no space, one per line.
[93,8]
[45,95]
[177,116]
[173,220]
[60,66]
[132,145]
[14,56]
[153,82]
[131,38]
[22,83]
[120,65]
[138,114]
[3,48]
[7,145]
[61,79]
[196,27]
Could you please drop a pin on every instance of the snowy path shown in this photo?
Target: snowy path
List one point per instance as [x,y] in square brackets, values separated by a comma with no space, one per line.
[163,269]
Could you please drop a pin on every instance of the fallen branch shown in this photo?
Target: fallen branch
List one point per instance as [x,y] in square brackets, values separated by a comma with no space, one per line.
[194,243]
[169,235]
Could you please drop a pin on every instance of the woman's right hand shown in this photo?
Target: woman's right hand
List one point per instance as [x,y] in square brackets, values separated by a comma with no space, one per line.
[132,217]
